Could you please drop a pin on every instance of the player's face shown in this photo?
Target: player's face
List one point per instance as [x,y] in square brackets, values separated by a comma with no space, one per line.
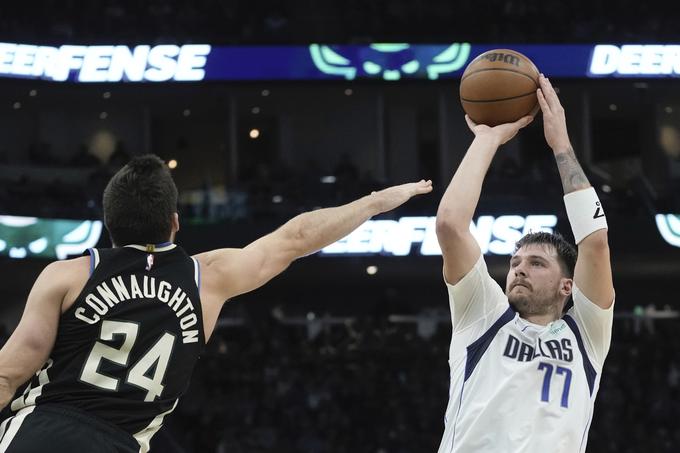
[535,284]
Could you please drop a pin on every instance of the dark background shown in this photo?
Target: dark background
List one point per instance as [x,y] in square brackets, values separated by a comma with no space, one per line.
[327,358]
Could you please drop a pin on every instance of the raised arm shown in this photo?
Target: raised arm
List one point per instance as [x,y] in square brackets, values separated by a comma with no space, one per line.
[593,274]
[459,248]
[236,271]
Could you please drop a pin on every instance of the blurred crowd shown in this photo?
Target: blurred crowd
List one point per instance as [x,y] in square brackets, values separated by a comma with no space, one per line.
[332,21]
[45,185]
[49,187]
[370,386]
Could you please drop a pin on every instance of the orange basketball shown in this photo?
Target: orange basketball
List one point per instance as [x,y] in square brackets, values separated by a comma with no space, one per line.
[499,86]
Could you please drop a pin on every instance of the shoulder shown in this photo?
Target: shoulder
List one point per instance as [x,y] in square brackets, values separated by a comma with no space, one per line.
[67,270]
[583,303]
[73,263]
[68,276]
[476,281]
[223,264]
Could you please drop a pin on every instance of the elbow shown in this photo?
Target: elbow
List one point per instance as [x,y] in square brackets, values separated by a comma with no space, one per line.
[298,241]
[597,241]
[595,246]
[447,227]
[443,226]
[293,240]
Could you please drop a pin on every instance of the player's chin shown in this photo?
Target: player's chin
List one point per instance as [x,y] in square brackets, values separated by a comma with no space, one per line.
[518,301]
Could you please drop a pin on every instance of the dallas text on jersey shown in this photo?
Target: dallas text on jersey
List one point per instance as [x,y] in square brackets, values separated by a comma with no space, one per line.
[524,352]
[161,292]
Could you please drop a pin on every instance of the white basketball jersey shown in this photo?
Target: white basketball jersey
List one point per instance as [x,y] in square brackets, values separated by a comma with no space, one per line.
[518,386]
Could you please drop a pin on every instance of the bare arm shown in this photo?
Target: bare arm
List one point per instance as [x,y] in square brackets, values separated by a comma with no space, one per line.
[31,342]
[459,248]
[593,274]
[243,270]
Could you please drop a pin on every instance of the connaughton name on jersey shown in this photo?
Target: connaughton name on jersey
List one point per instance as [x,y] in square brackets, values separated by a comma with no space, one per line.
[126,290]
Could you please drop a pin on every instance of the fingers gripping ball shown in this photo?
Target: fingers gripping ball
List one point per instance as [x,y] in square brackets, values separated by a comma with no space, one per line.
[499,86]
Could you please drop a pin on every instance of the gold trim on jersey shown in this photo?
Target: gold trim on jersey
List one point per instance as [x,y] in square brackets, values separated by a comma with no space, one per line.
[151,248]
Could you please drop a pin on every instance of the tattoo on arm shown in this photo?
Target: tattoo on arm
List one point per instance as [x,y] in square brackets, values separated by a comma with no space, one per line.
[572,175]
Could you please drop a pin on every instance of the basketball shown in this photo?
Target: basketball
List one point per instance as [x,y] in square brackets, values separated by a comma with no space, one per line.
[499,86]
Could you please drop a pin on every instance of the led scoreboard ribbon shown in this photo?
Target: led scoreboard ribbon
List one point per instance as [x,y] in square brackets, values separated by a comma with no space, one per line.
[387,61]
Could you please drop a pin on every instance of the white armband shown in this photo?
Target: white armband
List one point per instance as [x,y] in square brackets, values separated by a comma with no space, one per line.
[585,213]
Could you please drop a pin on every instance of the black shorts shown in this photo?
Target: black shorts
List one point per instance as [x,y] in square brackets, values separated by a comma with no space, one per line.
[59,429]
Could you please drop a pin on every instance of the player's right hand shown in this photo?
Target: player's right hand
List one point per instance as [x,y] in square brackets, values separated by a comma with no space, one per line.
[502,133]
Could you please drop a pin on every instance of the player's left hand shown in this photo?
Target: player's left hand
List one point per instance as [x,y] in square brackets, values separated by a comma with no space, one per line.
[395,196]
[554,121]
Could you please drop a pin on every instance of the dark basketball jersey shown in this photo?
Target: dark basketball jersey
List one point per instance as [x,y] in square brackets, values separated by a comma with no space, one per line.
[127,347]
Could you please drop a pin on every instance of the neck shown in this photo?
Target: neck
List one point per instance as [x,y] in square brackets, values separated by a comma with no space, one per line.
[541,314]
[543,319]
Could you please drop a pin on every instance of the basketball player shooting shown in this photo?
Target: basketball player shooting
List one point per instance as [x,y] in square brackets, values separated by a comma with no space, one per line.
[524,376]
[117,333]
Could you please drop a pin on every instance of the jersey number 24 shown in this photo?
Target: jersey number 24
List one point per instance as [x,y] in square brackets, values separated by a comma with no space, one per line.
[139,374]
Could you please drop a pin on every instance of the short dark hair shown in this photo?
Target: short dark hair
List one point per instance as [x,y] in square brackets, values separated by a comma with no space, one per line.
[139,202]
[567,253]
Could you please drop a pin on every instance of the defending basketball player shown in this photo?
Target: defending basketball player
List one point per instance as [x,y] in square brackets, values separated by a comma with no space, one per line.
[118,333]
[524,377]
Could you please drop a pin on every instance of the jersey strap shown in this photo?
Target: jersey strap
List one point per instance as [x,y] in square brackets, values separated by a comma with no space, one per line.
[197,273]
[479,347]
[591,374]
[94,259]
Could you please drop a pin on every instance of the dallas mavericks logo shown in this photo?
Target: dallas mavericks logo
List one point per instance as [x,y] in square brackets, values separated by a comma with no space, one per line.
[48,238]
[390,61]
[669,227]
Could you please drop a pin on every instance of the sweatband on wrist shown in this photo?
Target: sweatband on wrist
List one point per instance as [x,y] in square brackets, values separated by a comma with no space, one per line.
[585,213]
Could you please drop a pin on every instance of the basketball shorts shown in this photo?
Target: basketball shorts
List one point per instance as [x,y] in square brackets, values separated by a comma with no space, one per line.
[53,428]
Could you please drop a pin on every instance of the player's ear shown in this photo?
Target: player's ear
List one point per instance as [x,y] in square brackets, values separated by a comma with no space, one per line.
[175,222]
[566,286]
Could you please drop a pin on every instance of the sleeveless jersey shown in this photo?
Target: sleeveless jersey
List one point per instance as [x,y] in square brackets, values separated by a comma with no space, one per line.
[126,349]
[516,386]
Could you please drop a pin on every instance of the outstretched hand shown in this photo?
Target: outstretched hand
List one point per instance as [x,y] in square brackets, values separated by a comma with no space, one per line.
[395,196]
[502,133]
[554,121]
